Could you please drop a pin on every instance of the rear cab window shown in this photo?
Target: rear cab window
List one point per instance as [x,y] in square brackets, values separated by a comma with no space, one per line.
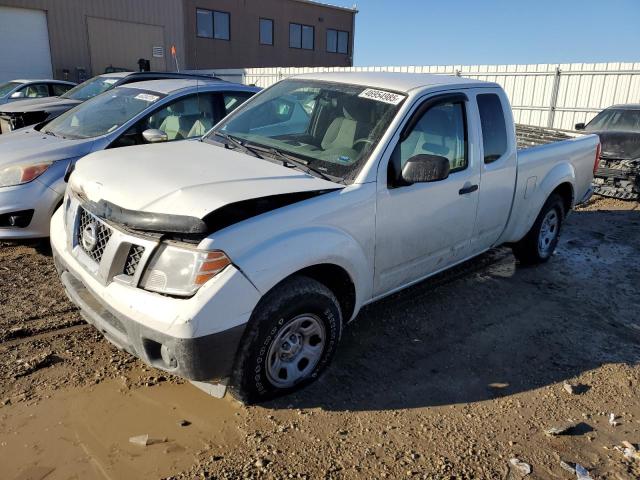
[494,127]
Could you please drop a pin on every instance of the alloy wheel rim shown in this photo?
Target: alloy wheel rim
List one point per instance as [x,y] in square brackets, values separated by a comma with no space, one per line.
[548,232]
[296,350]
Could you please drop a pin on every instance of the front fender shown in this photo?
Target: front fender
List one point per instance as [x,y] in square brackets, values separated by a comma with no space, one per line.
[276,258]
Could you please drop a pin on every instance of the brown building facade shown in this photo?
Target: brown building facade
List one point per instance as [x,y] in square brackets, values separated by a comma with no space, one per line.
[86,37]
[267,33]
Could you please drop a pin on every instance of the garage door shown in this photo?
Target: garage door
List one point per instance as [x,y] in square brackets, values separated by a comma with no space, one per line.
[121,44]
[24,42]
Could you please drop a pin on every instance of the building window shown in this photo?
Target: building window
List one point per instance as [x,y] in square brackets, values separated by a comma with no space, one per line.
[204,23]
[213,24]
[301,36]
[266,31]
[337,41]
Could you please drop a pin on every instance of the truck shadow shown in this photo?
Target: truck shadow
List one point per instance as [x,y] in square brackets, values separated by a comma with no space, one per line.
[489,328]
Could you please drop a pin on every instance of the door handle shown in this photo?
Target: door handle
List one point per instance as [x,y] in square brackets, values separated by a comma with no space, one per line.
[470,189]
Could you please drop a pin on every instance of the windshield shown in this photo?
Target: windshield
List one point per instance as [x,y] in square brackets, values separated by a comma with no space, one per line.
[331,128]
[616,119]
[92,87]
[7,87]
[102,114]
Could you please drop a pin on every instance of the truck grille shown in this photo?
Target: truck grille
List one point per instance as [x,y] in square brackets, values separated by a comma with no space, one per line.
[133,260]
[93,235]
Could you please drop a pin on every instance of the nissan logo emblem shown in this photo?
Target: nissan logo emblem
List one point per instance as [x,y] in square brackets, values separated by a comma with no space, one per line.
[90,237]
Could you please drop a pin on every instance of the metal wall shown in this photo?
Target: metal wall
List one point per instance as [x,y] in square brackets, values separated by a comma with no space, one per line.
[546,95]
[68,29]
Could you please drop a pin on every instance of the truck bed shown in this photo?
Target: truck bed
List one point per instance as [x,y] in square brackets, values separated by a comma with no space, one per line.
[531,136]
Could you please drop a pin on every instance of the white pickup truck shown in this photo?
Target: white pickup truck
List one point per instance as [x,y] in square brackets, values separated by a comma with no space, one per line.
[240,257]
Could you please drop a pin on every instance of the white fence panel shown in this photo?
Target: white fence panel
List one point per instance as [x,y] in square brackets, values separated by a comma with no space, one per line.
[544,94]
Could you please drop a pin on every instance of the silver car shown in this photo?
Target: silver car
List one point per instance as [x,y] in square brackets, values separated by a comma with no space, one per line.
[24,89]
[33,161]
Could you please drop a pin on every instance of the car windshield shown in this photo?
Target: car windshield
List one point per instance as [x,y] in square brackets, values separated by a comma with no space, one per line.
[626,120]
[102,114]
[92,87]
[7,87]
[328,128]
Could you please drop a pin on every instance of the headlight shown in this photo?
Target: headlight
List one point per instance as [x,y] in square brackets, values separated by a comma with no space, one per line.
[19,174]
[181,271]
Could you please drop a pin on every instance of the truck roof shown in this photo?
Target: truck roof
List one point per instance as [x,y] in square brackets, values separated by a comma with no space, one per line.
[398,81]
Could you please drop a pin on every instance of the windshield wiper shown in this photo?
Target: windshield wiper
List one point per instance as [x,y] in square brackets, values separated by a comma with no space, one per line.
[49,132]
[291,161]
[238,143]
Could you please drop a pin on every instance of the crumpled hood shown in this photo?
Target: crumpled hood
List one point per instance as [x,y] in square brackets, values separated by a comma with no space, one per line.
[620,145]
[38,104]
[29,145]
[190,178]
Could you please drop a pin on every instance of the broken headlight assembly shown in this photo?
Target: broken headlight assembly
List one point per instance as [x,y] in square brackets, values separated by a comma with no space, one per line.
[20,174]
[175,269]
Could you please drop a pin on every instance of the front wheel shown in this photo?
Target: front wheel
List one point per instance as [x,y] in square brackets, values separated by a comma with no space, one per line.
[541,241]
[291,338]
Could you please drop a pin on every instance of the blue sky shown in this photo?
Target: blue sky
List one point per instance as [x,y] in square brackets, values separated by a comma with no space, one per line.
[445,32]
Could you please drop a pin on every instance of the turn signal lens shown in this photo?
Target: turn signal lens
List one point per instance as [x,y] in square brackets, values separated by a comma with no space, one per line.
[596,164]
[211,265]
[19,174]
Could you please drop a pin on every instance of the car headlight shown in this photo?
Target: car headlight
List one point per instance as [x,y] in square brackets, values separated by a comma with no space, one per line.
[181,270]
[19,174]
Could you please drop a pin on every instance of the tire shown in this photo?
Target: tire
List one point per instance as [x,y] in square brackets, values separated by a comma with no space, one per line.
[291,338]
[541,241]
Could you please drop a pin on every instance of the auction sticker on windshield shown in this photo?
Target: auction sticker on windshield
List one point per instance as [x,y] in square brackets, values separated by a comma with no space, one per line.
[382,96]
[146,97]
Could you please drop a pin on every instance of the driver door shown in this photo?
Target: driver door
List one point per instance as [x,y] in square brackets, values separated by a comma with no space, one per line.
[425,227]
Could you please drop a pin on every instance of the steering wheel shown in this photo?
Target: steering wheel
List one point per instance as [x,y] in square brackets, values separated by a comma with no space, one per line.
[361,140]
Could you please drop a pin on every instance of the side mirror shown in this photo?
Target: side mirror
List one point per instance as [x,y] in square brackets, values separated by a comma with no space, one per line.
[17,94]
[580,126]
[153,135]
[425,168]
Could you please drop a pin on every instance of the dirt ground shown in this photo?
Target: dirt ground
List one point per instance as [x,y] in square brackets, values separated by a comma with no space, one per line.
[449,379]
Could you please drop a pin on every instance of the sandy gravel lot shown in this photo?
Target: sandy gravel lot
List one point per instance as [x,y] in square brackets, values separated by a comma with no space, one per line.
[449,379]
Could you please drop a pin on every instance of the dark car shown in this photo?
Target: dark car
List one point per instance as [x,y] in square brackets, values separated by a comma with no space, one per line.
[32,111]
[618,175]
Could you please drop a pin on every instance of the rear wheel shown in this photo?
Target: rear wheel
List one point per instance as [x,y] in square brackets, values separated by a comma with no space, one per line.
[291,338]
[541,241]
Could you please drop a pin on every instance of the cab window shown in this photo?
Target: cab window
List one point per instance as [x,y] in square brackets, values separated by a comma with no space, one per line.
[187,117]
[59,89]
[494,128]
[440,131]
[38,90]
[233,100]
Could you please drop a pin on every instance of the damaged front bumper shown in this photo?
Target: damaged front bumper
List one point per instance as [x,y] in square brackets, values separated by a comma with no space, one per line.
[195,338]
[203,358]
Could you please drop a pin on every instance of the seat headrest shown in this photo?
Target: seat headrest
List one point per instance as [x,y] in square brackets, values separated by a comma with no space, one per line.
[356,109]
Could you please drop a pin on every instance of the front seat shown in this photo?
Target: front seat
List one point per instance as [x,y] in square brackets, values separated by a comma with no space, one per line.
[181,118]
[204,122]
[344,130]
